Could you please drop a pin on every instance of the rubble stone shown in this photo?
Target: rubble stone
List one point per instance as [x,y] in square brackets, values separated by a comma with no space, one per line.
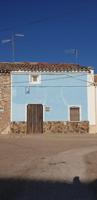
[53,127]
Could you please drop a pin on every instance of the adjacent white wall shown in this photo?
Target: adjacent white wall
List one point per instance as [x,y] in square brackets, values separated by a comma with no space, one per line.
[96,104]
[91,98]
[11,99]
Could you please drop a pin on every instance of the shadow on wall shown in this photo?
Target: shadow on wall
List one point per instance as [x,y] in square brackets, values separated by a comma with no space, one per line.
[25,189]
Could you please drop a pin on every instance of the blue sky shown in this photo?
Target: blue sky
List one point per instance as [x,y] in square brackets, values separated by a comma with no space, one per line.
[50,28]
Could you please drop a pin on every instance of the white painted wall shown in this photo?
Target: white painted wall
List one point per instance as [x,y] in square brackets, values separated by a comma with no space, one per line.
[11,100]
[96,103]
[91,98]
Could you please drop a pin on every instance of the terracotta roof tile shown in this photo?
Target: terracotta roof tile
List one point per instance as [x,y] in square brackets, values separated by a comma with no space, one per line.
[32,66]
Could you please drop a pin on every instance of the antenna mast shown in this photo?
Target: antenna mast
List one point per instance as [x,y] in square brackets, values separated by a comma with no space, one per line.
[74,52]
[12,40]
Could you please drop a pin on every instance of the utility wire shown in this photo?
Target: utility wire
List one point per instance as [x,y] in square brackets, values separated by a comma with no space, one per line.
[79,79]
[44,86]
[57,78]
[10,28]
[69,76]
[63,86]
[48,79]
[32,22]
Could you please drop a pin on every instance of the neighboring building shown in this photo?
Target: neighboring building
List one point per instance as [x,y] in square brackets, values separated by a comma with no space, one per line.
[95,85]
[66,92]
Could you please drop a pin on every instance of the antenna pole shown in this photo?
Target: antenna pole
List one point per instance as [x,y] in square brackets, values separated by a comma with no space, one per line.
[76,55]
[13,47]
[12,40]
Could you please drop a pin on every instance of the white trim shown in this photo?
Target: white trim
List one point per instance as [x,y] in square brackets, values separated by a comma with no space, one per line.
[34,82]
[11,99]
[26,112]
[75,106]
[21,72]
[49,72]
[44,114]
[91,99]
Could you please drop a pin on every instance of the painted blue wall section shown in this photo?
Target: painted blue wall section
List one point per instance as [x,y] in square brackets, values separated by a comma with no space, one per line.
[70,89]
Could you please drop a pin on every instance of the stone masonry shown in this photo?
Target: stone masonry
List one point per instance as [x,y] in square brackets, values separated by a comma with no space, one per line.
[66,127]
[5,101]
[53,127]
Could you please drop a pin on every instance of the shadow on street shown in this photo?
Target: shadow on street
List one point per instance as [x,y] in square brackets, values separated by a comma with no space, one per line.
[25,189]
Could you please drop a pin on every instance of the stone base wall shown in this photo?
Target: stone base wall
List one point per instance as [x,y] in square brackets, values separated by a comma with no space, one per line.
[92,129]
[18,127]
[53,127]
[66,127]
[5,101]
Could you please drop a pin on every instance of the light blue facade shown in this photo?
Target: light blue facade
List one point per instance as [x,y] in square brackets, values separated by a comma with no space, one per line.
[58,91]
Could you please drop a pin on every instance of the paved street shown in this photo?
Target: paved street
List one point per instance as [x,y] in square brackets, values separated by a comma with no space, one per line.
[46,161]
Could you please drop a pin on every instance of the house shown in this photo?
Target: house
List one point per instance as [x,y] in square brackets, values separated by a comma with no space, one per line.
[66,92]
[95,85]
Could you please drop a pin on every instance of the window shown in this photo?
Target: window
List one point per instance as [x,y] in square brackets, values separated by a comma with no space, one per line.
[74,114]
[35,78]
[1,109]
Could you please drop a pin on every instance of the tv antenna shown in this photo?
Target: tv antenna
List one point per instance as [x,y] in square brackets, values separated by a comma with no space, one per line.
[12,40]
[74,52]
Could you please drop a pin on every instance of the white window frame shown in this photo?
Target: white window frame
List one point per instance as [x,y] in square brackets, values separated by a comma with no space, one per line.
[80,111]
[26,112]
[34,82]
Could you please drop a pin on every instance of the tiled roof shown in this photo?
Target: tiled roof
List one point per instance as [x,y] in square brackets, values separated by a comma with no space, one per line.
[32,66]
